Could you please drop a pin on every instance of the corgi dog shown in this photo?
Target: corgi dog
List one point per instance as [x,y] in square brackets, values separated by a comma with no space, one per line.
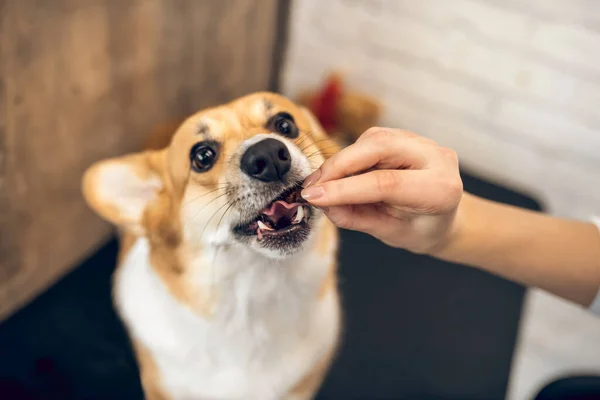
[226,278]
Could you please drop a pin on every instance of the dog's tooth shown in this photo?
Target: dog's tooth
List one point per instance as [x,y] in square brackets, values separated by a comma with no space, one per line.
[299,215]
[261,225]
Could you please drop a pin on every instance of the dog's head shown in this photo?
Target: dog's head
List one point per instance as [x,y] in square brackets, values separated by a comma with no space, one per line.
[231,175]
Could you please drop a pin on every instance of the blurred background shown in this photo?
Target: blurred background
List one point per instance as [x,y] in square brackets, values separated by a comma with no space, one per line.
[513,86]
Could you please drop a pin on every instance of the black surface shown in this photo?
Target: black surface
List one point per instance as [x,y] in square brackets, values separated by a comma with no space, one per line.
[415,328]
[571,388]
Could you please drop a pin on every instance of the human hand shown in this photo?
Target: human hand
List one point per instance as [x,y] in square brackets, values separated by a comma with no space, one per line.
[399,187]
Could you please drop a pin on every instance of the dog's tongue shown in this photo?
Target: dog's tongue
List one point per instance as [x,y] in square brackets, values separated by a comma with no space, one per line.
[281,209]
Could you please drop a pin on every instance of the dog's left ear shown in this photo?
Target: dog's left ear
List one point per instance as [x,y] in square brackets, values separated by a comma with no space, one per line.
[325,142]
[120,189]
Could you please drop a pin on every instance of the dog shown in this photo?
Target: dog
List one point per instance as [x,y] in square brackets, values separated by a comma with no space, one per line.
[226,277]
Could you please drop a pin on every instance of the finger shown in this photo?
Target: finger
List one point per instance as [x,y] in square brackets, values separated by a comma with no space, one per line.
[387,134]
[384,151]
[359,217]
[378,130]
[407,188]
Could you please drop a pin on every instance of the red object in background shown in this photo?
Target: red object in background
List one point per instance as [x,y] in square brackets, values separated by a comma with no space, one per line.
[326,101]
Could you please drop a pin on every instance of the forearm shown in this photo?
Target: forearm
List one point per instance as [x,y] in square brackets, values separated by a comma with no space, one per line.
[534,249]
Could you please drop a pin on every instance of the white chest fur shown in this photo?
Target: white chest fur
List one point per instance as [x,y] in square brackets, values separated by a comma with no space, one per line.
[269,329]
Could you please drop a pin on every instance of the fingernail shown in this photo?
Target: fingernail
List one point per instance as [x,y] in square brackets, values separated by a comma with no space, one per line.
[312,178]
[312,193]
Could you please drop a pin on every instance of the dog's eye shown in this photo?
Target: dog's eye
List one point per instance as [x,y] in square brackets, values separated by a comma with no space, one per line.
[203,156]
[283,123]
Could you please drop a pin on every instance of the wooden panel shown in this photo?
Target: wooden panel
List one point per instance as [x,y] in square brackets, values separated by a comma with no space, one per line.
[83,80]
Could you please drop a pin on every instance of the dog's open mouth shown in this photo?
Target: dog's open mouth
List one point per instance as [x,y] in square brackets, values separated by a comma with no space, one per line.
[285,214]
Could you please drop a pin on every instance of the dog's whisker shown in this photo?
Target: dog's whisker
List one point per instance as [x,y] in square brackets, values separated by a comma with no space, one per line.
[315,143]
[219,246]
[192,201]
[225,213]
[309,144]
[320,153]
[325,148]
[206,205]
[221,187]
[229,203]
[302,139]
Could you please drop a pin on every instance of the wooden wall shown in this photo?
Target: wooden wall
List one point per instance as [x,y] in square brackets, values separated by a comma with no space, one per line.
[81,80]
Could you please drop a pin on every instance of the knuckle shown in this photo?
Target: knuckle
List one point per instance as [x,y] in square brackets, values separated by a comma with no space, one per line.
[449,153]
[374,133]
[384,135]
[331,166]
[455,188]
[426,141]
[412,135]
[450,195]
[445,196]
[328,166]
[387,181]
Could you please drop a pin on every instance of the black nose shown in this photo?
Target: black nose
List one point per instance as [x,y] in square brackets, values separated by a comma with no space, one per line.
[268,160]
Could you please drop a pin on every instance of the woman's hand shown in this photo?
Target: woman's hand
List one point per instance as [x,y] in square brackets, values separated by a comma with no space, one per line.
[397,186]
[406,191]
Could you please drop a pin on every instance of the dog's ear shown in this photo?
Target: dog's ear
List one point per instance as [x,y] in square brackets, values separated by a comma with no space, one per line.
[120,189]
[327,144]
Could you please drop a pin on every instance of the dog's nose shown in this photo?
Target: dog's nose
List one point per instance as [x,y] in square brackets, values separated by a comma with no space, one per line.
[268,160]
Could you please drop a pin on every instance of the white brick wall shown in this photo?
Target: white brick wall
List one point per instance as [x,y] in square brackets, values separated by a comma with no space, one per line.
[512,85]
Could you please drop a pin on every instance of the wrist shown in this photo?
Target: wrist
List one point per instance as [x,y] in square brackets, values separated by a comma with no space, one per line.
[458,234]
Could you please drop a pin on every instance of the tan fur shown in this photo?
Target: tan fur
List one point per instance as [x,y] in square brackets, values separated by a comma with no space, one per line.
[167,256]
[311,381]
[330,282]
[328,236]
[126,242]
[149,374]
[160,223]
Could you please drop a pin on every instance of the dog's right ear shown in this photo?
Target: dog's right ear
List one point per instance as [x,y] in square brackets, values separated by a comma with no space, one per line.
[120,189]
